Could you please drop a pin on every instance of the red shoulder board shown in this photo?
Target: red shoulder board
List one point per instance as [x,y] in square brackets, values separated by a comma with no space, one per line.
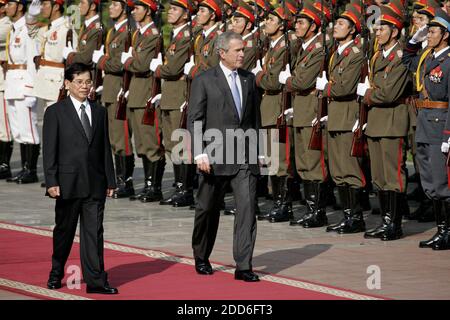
[346,52]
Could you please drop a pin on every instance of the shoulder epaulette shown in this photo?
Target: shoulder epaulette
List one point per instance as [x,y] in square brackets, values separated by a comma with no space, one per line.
[400,53]
[355,49]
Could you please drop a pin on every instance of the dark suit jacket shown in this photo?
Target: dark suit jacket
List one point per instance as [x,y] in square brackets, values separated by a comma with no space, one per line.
[80,167]
[211,103]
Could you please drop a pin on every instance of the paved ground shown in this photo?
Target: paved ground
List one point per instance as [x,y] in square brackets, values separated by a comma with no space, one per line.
[407,272]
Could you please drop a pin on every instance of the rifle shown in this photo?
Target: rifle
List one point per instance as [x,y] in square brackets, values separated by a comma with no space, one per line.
[97,76]
[285,95]
[224,17]
[359,139]
[258,47]
[149,114]
[62,90]
[315,142]
[183,120]
[121,111]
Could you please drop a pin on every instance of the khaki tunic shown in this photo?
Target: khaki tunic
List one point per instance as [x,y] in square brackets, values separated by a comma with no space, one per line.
[88,41]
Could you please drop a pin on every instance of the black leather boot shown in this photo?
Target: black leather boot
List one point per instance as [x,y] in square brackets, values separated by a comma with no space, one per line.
[308,187]
[393,230]
[178,185]
[383,198]
[344,198]
[147,174]
[443,241]
[353,217]
[154,192]
[424,205]
[185,196]
[6,149]
[425,215]
[275,182]
[437,211]
[32,154]
[23,159]
[284,212]
[126,188]
[319,216]
[262,189]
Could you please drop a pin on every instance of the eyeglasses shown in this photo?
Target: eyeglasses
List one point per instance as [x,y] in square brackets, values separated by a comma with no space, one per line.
[79,83]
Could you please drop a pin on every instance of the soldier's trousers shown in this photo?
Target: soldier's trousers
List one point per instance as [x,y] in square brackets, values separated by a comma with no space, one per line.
[310,164]
[119,132]
[433,171]
[22,116]
[147,139]
[388,163]
[280,164]
[344,168]
[5,131]
[170,121]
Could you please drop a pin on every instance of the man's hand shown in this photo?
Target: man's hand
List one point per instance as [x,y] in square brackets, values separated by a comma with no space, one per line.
[444,147]
[257,69]
[284,75]
[322,81]
[420,35]
[110,192]
[363,87]
[188,66]
[126,55]
[156,62]
[98,54]
[35,8]
[203,164]
[54,191]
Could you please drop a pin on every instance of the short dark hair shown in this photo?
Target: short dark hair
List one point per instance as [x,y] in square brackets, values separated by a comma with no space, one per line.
[75,69]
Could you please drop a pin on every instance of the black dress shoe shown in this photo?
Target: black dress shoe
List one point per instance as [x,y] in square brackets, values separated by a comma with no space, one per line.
[102,290]
[229,212]
[203,267]
[246,275]
[54,284]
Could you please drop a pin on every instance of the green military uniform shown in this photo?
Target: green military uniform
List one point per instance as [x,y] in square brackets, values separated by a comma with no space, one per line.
[87,43]
[205,55]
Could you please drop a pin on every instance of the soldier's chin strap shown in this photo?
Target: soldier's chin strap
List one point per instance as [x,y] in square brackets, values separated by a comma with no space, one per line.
[442,37]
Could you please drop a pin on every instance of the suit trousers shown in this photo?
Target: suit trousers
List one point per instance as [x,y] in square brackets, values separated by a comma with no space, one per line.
[5,132]
[119,132]
[344,168]
[147,139]
[310,164]
[388,163]
[211,191]
[90,212]
[433,171]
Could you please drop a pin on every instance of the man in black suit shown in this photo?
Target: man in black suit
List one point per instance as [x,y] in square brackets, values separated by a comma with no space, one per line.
[225,98]
[79,174]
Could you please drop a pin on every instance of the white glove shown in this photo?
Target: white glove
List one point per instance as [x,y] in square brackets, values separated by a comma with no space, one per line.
[35,8]
[364,126]
[362,87]
[324,119]
[322,81]
[284,75]
[67,50]
[99,89]
[257,68]
[355,126]
[156,100]
[126,55]
[444,147]
[183,106]
[188,66]
[155,63]
[289,113]
[118,95]
[98,54]
[126,94]
[314,122]
[420,35]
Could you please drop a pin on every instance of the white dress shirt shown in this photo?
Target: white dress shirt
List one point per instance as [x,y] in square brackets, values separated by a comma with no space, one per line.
[388,51]
[77,104]
[88,21]
[341,49]
[437,54]
[120,24]
[228,76]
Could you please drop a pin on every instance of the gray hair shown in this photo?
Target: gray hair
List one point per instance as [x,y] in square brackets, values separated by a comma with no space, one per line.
[223,40]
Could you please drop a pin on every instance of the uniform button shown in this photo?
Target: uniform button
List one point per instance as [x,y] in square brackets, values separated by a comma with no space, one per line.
[437,120]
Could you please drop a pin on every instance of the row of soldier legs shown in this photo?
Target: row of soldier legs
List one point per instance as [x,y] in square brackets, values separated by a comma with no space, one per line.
[319,170]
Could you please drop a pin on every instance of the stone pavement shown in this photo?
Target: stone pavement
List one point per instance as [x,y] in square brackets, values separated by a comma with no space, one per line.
[407,272]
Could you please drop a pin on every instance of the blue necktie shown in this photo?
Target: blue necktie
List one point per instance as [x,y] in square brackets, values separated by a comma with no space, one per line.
[235,93]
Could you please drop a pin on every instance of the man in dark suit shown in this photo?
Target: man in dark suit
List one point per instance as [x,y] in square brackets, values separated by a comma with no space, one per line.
[224,98]
[79,174]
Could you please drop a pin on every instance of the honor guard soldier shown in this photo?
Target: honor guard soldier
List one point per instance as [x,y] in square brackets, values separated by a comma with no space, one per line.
[147,137]
[171,71]
[90,35]
[110,63]
[50,63]
[384,94]
[432,69]
[310,164]
[6,142]
[19,82]
[243,22]
[208,16]
[271,108]
[344,72]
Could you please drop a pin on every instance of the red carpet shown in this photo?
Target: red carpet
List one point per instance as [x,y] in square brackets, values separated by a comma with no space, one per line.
[25,259]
